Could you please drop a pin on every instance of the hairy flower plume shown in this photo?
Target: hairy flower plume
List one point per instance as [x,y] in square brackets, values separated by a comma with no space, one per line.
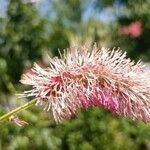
[88,77]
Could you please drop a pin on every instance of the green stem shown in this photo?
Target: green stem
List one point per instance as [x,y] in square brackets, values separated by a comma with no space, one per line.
[17,110]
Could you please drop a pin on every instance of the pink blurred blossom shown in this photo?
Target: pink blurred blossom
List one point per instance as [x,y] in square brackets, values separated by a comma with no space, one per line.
[134,29]
[91,77]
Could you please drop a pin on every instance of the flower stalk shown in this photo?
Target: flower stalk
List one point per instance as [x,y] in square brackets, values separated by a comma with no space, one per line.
[8,115]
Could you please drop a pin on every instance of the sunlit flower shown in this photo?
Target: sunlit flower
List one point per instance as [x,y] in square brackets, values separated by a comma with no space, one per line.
[89,77]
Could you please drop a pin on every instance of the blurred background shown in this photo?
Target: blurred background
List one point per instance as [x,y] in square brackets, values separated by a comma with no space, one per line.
[32,30]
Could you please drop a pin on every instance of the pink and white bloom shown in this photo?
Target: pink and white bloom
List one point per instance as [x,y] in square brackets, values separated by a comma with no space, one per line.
[89,77]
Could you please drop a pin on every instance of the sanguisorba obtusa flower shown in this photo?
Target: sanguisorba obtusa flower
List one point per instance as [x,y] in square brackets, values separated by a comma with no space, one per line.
[91,77]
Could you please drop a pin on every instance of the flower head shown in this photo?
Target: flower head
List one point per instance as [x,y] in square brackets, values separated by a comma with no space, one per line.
[88,77]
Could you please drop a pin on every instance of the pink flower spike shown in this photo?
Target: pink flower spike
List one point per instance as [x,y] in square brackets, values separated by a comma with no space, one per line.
[91,77]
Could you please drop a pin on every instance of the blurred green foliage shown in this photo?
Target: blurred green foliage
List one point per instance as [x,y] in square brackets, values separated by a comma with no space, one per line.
[22,41]
[25,37]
